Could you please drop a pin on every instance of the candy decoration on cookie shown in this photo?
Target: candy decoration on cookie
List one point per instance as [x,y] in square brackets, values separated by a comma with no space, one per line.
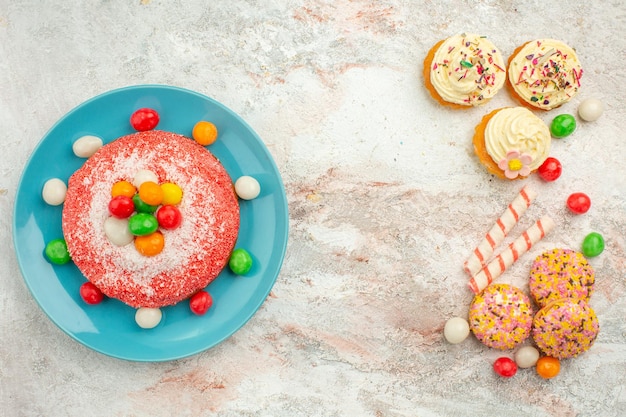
[511,254]
[480,256]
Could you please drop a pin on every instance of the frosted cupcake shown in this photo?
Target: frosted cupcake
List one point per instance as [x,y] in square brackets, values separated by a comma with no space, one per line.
[544,74]
[464,71]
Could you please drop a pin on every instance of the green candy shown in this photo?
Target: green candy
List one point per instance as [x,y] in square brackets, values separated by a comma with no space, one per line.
[142,224]
[240,262]
[57,253]
[563,125]
[141,207]
[593,244]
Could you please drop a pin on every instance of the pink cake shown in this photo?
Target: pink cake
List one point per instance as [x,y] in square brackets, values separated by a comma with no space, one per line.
[193,254]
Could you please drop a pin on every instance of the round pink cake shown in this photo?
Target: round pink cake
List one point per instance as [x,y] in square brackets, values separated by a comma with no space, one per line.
[194,253]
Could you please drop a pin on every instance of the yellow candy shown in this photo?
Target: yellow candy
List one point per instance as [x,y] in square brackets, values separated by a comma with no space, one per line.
[124,188]
[172,194]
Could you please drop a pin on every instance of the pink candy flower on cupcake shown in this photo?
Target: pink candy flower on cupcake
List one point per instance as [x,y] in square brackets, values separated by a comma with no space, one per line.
[516,164]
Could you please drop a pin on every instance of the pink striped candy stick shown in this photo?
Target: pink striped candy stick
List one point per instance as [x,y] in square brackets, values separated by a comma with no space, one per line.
[507,257]
[478,259]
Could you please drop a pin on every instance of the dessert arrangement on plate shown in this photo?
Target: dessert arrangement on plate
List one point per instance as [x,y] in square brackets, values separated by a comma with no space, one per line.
[466,71]
[151,216]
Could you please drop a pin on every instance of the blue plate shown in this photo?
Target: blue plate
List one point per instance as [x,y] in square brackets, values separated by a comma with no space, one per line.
[109,327]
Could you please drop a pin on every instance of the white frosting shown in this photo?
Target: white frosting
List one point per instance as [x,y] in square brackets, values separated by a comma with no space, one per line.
[517,129]
[467,69]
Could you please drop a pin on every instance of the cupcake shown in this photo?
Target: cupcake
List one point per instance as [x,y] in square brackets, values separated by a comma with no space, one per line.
[501,316]
[464,71]
[512,142]
[565,328]
[544,74]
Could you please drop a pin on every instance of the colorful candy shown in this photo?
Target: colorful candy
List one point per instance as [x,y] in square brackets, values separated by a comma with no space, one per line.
[550,170]
[456,330]
[151,193]
[54,191]
[150,245]
[526,357]
[579,203]
[90,293]
[56,252]
[205,133]
[117,231]
[148,318]
[247,188]
[169,217]
[124,188]
[200,303]
[548,367]
[121,206]
[593,245]
[142,224]
[505,367]
[144,119]
[563,125]
[141,206]
[172,194]
[590,109]
[144,175]
[240,262]
[87,145]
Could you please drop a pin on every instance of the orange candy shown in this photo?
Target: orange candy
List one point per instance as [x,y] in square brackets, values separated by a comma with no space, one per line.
[548,367]
[150,245]
[124,188]
[205,133]
[151,193]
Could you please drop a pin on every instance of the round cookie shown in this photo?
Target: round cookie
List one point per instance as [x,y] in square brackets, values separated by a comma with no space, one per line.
[464,71]
[193,254]
[565,328]
[501,316]
[560,273]
[512,142]
[544,74]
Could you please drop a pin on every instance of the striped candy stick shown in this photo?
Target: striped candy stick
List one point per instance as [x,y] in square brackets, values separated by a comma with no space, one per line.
[507,257]
[479,257]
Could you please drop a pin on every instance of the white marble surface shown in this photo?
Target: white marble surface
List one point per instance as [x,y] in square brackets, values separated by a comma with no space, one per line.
[386,201]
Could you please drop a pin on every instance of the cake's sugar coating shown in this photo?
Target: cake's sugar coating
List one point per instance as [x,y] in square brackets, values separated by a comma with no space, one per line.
[194,253]
[501,316]
[565,328]
[560,273]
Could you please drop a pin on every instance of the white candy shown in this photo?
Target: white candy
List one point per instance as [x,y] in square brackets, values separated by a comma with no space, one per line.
[54,191]
[590,109]
[144,175]
[247,187]
[116,230]
[86,146]
[456,330]
[147,318]
[526,357]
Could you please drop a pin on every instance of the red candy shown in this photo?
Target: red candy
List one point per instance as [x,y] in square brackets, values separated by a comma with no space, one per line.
[550,170]
[90,293]
[579,203]
[505,367]
[169,217]
[144,119]
[200,302]
[121,206]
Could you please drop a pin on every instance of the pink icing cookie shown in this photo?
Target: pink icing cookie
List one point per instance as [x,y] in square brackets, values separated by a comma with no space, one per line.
[501,316]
